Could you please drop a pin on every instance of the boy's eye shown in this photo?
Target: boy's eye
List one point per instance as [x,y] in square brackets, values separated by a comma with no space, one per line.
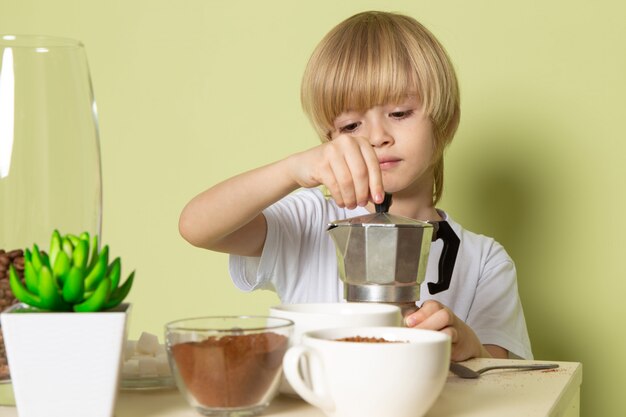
[401,114]
[349,127]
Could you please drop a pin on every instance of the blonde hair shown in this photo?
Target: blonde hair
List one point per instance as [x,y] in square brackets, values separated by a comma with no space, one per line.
[375,58]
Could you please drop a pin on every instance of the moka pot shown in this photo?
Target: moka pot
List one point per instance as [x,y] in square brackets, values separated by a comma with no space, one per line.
[383,257]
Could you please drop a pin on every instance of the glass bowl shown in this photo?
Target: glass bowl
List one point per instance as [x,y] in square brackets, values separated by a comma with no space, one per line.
[228,366]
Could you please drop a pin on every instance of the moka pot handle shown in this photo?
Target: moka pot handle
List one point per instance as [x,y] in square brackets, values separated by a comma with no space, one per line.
[451,242]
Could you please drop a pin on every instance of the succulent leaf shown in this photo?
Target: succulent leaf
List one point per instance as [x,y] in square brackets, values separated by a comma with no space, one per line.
[81,254]
[98,273]
[30,277]
[45,260]
[49,292]
[36,258]
[119,294]
[114,272]
[94,252]
[97,300]
[20,292]
[74,239]
[68,248]
[61,266]
[74,286]
[27,255]
[55,246]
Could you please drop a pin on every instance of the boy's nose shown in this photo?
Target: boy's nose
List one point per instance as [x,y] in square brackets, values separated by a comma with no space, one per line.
[379,135]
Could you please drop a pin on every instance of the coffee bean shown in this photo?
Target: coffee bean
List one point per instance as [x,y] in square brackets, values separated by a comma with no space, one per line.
[7,299]
[18,261]
[15,253]
[16,258]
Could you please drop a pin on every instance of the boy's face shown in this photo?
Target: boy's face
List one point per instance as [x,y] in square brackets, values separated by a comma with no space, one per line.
[401,135]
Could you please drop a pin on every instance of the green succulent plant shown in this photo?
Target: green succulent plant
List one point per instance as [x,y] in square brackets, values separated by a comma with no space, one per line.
[73,276]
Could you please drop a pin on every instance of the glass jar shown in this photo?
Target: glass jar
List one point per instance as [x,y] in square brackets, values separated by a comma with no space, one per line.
[50,173]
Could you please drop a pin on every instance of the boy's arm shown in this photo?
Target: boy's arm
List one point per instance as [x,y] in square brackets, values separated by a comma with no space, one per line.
[227,217]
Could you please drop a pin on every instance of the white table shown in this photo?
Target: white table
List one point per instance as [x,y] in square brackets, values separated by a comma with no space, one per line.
[554,392]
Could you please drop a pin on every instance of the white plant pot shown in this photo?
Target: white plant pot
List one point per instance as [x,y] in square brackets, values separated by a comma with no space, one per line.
[65,364]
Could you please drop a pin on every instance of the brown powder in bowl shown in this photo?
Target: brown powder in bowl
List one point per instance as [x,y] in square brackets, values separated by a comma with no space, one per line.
[231,371]
[363,339]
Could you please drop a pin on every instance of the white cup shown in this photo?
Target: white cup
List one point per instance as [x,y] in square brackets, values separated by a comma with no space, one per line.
[358,379]
[316,316]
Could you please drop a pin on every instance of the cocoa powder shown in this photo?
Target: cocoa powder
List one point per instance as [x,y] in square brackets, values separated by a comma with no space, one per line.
[231,371]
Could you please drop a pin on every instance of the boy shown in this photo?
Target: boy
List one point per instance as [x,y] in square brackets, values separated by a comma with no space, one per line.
[382,94]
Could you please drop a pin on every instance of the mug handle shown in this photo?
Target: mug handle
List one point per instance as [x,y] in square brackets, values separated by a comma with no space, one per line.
[291,368]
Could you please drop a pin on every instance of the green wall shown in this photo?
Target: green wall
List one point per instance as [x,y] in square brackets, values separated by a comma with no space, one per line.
[190,92]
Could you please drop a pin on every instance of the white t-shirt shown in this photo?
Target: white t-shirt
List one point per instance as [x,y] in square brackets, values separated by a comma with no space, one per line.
[299,263]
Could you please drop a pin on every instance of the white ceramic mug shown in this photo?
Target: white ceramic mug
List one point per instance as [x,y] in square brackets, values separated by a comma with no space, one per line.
[359,379]
[316,316]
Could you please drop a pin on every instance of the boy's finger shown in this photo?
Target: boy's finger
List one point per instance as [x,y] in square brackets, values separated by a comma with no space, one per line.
[374,175]
[426,310]
[360,177]
[437,321]
[345,185]
[333,189]
[452,332]
[415,318]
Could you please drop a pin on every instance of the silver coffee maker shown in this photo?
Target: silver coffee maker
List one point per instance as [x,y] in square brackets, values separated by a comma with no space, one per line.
[382,257]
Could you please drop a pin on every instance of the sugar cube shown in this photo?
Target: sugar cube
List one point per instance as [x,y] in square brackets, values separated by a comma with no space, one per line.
[147,367]
[130,368]
[162,366]
[129,349]
[147,343]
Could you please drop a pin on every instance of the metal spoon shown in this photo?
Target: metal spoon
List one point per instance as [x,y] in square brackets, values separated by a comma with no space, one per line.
[465,372]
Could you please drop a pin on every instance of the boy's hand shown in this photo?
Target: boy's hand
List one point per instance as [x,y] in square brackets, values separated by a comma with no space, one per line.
[435,316]
[347,166]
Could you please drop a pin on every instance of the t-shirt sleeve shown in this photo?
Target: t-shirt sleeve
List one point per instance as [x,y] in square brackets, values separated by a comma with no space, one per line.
[496,315]
[283,245]
[252,273]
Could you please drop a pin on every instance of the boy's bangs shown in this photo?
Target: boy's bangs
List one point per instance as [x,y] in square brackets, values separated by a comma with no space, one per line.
[364,72]
[370,84]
